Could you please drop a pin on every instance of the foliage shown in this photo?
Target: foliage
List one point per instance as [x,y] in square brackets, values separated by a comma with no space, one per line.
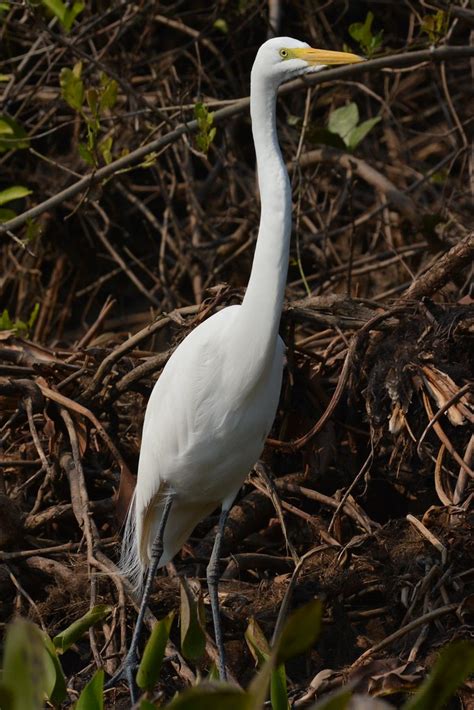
[91,104]
[362,33]
[12,134]
[16,192]
[19,327]
[73,633]
[435,25]
[206,130]
[343,130]
[32,671]
[192,623]
[66,15]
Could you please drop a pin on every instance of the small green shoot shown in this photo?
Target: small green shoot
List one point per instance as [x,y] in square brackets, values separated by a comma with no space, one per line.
[435,26]
[363,35]
[150,665]
[66,15]
[73,633]
[19,327]
[206,129]
[90,104]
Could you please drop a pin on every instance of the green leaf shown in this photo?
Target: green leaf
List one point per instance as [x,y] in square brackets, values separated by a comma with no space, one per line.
[435,26]
[207,131]
[6,695]
[28,672]
[105,148]
[65,15]
[31,322]
[14,135]
[193,637]
[454,665]
[5,77]
[212,697]
[92,696]
[300,631]
[257,643]
[69,636]
[6,215]
[86,154]
[71,15]
[5,321]
[150,665]
[13,193]
[278,689]
[72,86]
[92,97]
[146,705]
[362,33]
[221,24]
[58,692]
[343,120]
[108,97]
[359,132]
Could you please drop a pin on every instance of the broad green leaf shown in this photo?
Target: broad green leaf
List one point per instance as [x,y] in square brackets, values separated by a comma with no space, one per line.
[73,633]
[362,33]
[150,665]
[300,631]
[257,643]
[58,692]
[193,637]
[92,696]
[72,86]
[278,689]
[12,135]
[215,696]
[6,214]
[359,132]
[454,665]
[343,120]
[13,193]
[57,7]
[65,15]
[28,672]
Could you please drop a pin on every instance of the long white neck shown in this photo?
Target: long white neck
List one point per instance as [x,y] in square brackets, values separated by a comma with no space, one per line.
[262,304]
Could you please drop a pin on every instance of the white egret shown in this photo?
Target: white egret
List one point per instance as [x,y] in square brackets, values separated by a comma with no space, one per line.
[213,406]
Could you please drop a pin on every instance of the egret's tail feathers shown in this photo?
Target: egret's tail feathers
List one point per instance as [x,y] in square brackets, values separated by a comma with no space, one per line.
[130,564]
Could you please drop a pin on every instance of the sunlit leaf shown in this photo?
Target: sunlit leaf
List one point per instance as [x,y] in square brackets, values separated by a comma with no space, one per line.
[359,132]
[152,658]
[72,86]
[343,120]
[193,637]
[16,192]
[221,24]
[66,638]
[108,97]
[105,148]
[454,665]
[92,696]
[362,33]
[435,25]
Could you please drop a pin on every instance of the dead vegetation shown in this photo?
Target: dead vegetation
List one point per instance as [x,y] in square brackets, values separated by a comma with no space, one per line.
[364,496]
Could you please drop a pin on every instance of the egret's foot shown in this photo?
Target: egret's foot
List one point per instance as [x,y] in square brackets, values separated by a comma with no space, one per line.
[127,673]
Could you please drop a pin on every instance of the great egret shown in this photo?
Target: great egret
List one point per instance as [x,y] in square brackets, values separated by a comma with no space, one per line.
[213,406]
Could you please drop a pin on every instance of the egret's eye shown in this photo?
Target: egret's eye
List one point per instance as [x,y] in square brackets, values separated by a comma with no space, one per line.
[284,53]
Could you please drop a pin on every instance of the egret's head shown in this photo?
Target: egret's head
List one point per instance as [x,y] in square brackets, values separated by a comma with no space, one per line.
[283,58]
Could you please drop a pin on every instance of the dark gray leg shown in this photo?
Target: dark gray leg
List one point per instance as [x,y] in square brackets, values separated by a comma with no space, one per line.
[213,582]
[127,671]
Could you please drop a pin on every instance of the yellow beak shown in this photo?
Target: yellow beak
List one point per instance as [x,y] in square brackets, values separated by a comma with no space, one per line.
[325,56]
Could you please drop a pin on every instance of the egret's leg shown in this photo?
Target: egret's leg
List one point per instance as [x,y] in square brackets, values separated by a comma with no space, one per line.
[130,663]
[213,585]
